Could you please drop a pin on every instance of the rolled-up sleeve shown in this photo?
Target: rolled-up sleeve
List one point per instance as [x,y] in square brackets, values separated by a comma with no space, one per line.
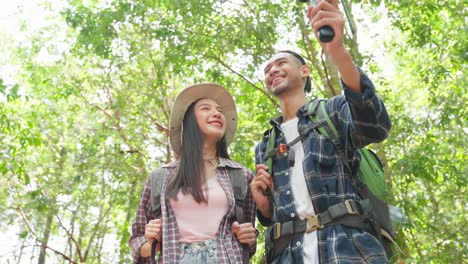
[369,119]
[143,215]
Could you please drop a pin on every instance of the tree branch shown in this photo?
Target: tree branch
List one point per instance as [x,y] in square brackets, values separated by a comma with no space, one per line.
[26,221]
[61,254]
[313,56]
[159,126]
[325,67]
[70,235]
[117,125]
[262,90]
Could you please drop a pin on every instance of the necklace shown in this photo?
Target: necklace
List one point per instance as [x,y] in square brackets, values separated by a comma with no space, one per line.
[212,159]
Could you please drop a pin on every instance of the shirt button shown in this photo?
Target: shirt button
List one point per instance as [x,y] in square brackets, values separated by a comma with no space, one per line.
[288,192]
[292,215]
[298,243]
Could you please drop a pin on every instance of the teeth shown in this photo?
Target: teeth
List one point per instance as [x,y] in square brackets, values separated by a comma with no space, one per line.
[275,79]
[216,123]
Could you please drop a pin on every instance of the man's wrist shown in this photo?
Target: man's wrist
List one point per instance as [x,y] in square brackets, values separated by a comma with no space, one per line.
[340,56]
[348,71]
[266,211]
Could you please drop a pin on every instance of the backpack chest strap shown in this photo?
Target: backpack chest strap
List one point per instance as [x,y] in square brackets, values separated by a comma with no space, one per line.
[350,213]
[284,148]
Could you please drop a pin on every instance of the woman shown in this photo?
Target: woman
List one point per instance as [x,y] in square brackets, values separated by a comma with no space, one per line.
[198,221]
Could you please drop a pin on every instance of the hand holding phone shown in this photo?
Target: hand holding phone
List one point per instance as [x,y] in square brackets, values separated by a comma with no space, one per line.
[325,33]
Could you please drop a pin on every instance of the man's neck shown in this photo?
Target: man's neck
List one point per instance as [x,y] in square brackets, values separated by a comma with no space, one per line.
[290,104]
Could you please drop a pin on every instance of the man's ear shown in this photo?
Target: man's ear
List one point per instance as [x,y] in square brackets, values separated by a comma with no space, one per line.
[305,71]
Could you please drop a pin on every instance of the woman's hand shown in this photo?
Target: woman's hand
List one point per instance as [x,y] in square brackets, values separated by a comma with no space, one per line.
[153,231]
[245,233]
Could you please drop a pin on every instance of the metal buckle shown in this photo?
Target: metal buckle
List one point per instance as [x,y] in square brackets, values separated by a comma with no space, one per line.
[349,208]
[276,231]
[313,224]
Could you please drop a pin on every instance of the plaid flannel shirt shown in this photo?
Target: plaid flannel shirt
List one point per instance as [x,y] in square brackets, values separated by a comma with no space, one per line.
[229,248]
[361,119]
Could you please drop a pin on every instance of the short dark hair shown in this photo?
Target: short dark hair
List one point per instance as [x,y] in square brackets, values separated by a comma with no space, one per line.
[308,84]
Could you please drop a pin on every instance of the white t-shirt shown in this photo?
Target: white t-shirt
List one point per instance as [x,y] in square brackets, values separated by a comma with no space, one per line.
[302,200]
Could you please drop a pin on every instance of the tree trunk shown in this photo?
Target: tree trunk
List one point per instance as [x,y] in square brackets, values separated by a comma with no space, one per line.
[45,240]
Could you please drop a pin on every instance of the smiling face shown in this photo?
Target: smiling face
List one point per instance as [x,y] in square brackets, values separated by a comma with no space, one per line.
[283,72]
[210,119]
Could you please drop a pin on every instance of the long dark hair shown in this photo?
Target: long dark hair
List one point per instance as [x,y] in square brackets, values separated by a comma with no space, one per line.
[190,177]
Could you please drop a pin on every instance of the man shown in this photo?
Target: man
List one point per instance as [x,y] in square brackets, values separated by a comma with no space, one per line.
[308,177]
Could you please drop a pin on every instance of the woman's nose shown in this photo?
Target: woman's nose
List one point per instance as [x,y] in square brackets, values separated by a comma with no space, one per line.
[217,113]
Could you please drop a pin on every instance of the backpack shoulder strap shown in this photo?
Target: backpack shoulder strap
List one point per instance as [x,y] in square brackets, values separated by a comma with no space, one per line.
[236,176]
[157,178]
[269,149]
[318,113]
[240,188]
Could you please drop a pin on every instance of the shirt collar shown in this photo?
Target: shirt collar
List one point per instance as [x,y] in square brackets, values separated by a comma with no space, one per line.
[223,162]
[276,122]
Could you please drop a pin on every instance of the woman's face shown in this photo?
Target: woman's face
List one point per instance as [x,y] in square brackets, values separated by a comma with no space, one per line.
[210,119]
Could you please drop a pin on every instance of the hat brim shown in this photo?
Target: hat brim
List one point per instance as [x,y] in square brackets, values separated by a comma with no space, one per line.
[212,91]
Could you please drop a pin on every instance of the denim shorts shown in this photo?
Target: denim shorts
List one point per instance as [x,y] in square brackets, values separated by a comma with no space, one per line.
[204,252]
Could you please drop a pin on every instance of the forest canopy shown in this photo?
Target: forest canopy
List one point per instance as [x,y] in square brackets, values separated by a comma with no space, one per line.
[86,93]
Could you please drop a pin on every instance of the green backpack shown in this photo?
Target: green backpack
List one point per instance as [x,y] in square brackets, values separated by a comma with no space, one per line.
[371,171]
[370,184]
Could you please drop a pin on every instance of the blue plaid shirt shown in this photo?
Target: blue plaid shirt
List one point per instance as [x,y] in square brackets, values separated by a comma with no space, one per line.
[361,119]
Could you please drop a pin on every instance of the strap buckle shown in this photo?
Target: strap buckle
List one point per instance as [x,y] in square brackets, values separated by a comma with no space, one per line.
[283,148]
[276,231]
[313,224]
[349,208]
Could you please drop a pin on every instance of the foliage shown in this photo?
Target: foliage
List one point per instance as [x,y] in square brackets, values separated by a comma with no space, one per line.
[81,130]
[427,148]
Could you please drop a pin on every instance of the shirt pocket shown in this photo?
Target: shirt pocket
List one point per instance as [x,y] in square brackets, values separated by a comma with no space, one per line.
[322,152]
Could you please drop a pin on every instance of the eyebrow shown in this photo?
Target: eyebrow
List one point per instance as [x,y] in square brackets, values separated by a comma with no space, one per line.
[208,104]
[272,62]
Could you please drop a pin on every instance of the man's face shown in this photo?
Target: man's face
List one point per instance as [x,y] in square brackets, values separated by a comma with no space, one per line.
[284,72]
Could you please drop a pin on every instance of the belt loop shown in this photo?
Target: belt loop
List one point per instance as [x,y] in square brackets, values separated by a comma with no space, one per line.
[182,250]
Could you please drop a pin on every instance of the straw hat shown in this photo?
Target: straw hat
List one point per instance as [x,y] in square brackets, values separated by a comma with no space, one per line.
[212,91]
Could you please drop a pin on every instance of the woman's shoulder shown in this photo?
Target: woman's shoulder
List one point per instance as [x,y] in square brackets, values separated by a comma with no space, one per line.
[171,165]
[231,164]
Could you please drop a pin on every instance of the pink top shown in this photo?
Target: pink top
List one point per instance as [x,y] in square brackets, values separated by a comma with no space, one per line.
[198,222]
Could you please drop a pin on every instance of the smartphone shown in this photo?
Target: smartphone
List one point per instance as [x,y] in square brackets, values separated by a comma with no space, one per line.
[325,33]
